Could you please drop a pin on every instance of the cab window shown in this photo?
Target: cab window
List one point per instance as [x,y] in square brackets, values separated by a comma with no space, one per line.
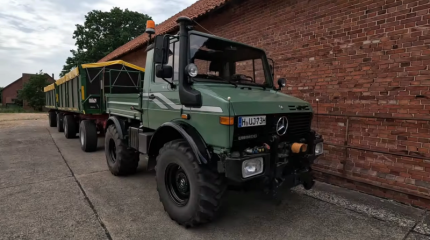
[173,61]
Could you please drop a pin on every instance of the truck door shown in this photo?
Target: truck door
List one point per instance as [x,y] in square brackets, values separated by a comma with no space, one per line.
[163,101]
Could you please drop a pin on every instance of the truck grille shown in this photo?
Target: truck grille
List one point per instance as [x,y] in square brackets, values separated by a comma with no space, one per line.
[299,124]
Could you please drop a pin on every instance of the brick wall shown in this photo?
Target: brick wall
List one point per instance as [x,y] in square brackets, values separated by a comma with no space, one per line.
[358,57]
[137,57]
[10,92]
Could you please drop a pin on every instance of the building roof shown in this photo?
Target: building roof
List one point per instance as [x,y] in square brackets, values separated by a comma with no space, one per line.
[12,83]
[21,78]
[198,9]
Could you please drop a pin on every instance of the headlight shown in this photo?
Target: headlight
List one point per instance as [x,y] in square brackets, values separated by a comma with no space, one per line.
[319,149]
[252,167]
[192,70]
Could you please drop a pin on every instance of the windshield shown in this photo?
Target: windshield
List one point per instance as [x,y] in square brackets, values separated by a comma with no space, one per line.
[222,61]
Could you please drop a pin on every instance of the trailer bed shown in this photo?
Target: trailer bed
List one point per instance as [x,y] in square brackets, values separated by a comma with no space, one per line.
[84,90]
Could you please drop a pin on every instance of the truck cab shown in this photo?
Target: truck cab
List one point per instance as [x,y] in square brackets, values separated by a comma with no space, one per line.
[209,116]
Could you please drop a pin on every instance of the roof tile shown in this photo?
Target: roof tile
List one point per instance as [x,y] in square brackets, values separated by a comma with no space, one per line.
[194,11]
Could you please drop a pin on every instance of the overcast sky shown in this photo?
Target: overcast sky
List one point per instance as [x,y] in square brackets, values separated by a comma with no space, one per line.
[37,35]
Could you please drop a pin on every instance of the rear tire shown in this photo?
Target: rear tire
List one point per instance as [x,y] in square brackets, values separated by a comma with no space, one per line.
[52,119]
[88,136]
[70,128]
[120,159]
[60,119]
[191,193]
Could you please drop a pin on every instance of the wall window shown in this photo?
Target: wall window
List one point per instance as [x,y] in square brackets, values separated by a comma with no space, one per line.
[173,61]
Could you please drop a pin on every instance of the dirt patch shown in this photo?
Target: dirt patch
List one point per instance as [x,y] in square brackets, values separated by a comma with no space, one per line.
[18,119]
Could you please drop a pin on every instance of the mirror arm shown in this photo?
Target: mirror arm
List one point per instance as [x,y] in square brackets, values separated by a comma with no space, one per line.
[172,85]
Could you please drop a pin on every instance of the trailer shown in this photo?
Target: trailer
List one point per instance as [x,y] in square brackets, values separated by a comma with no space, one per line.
[77,101]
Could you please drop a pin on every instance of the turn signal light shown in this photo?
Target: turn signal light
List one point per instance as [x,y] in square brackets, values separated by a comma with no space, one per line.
[226,120]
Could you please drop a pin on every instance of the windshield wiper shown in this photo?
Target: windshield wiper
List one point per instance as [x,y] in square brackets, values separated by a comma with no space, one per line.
[235,85]
[254,84]
[216,81]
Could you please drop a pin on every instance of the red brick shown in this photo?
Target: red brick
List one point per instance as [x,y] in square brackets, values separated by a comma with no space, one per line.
[427,6]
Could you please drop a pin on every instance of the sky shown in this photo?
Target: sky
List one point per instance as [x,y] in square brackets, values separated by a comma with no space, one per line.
[38,34]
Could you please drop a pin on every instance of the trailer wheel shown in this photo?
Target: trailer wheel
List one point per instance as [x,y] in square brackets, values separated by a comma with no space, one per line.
[52,119]
[120,159]
[190,193]
[88,136]
[70,128]
[60,126]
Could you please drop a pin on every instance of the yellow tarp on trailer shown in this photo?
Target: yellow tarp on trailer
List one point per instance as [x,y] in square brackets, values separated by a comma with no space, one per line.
[75,72]
[104,64]
[49,87]
[70,75]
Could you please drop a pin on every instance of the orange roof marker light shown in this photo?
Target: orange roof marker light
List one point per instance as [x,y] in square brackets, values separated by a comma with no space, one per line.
[150,27]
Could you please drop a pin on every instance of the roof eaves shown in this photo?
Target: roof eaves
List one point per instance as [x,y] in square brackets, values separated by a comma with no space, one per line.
[196,10]
[12,83]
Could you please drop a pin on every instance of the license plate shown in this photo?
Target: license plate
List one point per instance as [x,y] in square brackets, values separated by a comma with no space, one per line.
[251,121]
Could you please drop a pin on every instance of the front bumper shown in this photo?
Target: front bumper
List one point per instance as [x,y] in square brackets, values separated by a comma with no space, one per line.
[293,170]
[233,170]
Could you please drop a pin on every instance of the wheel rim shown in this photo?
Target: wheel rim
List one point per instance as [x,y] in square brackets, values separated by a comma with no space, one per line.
[177,184]
[112,150]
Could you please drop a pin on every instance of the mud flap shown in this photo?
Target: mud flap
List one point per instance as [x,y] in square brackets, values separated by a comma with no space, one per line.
[307,179]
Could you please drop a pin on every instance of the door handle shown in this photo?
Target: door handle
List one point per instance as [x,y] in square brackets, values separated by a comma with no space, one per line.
[151,96]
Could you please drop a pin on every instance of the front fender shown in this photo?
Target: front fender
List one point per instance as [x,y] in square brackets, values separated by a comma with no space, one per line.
[178,129]
[118,125]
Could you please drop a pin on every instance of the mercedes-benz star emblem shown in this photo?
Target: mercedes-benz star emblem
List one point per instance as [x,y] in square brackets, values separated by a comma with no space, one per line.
[282,126]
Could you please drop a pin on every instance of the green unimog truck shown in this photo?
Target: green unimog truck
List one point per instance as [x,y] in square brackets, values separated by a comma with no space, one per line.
[208,116]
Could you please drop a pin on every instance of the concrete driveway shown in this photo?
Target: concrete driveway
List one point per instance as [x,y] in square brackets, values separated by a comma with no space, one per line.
[50,189]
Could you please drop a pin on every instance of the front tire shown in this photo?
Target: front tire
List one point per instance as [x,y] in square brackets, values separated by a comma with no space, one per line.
[120,160]
[190,193]
[52,119]
[69,126]
[88,136]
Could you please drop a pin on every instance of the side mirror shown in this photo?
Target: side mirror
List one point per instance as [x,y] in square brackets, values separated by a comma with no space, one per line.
[282,82]
[165,71]
[161,49]
[272,67]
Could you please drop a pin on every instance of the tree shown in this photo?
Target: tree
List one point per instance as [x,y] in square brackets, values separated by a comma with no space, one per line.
[32,91]
[102,33]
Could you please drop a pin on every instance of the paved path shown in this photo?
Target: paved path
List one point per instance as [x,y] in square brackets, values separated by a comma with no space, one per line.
[50,189]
